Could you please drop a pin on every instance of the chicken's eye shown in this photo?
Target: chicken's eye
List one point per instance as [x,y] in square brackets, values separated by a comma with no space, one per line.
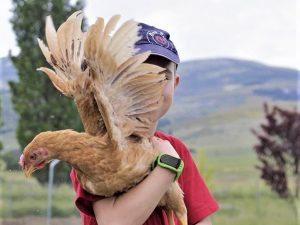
[33,157]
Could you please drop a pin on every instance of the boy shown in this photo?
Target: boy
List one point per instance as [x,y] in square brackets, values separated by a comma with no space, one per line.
[138,205]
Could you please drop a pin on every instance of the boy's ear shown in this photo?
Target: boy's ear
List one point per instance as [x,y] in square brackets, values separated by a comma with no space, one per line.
[177,80]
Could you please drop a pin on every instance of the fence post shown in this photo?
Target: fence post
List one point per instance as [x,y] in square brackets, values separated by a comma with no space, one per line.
[50,186]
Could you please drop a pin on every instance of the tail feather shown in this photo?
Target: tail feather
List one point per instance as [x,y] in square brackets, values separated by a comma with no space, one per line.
[182,219]
[169,213]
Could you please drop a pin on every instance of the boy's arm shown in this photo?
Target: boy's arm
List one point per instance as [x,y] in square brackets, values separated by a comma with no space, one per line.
[135,206]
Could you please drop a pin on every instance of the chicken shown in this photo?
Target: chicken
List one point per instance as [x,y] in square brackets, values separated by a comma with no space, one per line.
[101,169]
[117,95]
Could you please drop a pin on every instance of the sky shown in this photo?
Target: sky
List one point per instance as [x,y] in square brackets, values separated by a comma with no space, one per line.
[259,30]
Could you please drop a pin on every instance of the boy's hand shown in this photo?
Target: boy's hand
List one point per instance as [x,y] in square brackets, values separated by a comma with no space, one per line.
[164,147]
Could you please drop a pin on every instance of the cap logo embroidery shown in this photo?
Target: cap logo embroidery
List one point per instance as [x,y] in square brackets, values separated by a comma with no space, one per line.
[158,38]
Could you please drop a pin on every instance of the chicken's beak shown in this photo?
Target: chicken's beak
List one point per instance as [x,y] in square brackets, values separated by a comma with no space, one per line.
[28,171]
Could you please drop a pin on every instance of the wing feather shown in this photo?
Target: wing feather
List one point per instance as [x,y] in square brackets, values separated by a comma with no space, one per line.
[51,37]
[45,50]
[126,89]
[71,73]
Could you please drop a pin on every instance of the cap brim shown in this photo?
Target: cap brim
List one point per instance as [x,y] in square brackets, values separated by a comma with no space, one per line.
[158,50]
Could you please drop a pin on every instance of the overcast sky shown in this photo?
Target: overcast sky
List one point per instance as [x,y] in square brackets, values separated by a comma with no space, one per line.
[260,30]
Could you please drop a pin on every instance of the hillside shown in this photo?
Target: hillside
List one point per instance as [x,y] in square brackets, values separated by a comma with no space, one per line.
[219,100]
[213,84]
[217,103]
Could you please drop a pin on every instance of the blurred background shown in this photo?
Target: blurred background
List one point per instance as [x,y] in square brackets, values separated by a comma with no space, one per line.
[236,56]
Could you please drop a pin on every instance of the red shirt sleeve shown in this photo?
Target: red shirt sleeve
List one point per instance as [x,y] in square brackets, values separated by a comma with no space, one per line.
[199,201]
[84,200]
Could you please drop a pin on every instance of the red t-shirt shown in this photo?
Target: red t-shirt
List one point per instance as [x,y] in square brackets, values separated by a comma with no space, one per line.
[198,200]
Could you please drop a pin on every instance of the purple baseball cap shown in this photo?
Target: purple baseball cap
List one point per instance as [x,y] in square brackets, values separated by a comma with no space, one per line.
[157,41]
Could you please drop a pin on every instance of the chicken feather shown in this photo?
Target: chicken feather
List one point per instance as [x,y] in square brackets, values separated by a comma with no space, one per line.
[110,74]
[51,37]
[71,73]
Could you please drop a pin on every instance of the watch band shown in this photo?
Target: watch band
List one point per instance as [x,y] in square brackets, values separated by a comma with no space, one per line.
[169,162]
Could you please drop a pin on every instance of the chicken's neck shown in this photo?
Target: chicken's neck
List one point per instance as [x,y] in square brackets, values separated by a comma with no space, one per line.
[66,144]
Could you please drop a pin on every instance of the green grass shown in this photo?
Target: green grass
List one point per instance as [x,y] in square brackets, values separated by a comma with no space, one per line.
[248,210]
[252,204]
[243,197]
[22,197]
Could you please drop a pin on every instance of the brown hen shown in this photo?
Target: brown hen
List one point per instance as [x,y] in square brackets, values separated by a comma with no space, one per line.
[117,96]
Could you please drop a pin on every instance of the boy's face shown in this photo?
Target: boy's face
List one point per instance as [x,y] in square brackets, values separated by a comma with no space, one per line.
[172,81]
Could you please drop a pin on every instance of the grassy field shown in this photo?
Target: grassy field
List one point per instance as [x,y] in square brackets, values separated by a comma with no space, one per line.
[230,162]
[25,197]
[243,197]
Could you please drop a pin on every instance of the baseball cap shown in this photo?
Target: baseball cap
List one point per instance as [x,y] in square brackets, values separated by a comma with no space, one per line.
[157,41]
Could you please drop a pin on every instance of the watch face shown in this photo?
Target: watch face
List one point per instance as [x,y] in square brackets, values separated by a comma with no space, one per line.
[170,160]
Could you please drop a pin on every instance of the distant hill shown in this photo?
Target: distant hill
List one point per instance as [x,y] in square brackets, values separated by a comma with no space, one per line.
[212,84]
[217,102]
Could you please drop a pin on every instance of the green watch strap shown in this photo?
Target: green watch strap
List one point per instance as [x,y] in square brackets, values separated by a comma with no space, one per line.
[169,162]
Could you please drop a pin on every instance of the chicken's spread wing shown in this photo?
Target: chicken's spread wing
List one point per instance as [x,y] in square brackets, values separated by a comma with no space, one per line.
[71,73]
[128,92]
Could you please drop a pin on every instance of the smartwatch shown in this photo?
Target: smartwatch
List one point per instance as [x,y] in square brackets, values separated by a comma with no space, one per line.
[169,162]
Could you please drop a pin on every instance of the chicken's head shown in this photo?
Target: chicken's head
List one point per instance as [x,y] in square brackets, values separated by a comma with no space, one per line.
[33,159]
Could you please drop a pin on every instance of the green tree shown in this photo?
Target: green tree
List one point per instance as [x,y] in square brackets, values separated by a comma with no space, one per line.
[38,103]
